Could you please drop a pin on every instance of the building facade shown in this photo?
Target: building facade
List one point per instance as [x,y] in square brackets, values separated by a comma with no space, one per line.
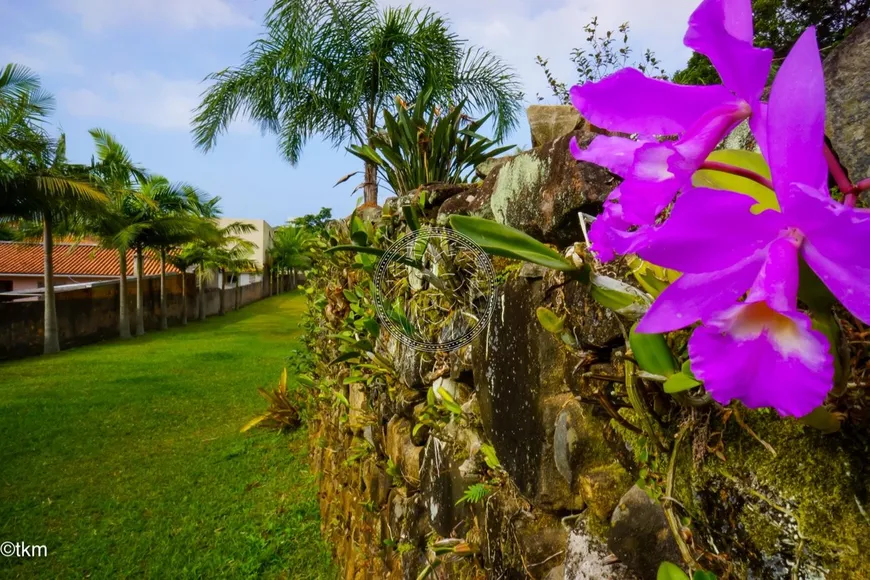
[261,237]
[21,265]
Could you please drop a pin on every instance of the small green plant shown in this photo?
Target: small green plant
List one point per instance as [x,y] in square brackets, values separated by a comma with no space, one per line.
[475,493]
[283,413]
[489,456]
[395,473]
[669,571]
[649,476]
[362,448]
[555,324]
[437,412]
[414,148]
[606,52]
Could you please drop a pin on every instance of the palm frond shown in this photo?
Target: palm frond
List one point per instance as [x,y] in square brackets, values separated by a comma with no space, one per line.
[329,68]
[21,88]
[490,85]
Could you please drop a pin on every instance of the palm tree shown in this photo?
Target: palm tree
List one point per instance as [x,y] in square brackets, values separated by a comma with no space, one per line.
[182,262]
[116,175]
[24,107]
[191,255]
[329,68]
[199,209]
[291,249]
[221,249]
[36,182]
[165,220]
[231,258]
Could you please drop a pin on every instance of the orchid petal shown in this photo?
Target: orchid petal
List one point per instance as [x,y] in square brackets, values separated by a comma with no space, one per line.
[661,169]
[789,368]
[701,139]
[629,102]
[722,31]
[777,282]
[614,153]
[653,181]
[603,231]
[709,230]
[796,118]
[694,297]
[847,281]
[835,244]
[611,234]
[838,255]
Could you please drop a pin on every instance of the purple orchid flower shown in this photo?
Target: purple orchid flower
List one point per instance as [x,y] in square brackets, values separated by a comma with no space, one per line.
[629,102]
[763,351]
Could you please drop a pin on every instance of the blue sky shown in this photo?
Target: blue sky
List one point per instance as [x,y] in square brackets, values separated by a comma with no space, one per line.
[135,68]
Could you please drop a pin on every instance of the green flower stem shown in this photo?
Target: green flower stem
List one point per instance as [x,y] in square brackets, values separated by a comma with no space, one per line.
[668,502]
[635,397]
[608,406]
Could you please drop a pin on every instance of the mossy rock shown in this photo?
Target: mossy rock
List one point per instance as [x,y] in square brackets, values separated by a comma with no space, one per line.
[800,509]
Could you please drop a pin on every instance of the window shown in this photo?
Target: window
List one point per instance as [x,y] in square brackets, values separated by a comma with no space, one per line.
[5,285]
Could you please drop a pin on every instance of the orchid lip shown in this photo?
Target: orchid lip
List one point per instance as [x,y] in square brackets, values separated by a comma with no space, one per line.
[749,321]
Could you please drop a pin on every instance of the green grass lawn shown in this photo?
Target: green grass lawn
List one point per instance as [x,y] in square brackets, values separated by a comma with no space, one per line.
[125,458]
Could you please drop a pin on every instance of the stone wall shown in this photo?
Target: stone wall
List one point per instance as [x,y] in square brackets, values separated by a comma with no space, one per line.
[89,315]
[571,487]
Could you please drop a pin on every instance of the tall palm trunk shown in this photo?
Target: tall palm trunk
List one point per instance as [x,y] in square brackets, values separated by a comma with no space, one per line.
[164,321]
[140,295]
[183,298]
[223,291]
[201,283]
[293,279]
[123,312]
[370,185]
[370,189]
[52,340]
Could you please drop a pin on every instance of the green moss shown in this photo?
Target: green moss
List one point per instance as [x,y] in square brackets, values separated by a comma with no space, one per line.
[766,535]
[404,547]
[809,489]
[598,528]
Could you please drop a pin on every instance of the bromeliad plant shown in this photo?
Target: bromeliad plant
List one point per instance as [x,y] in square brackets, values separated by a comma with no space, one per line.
[740,232]
[426,145]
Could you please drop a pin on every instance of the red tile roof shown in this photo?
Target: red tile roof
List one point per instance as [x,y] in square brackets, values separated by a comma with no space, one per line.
[72,260]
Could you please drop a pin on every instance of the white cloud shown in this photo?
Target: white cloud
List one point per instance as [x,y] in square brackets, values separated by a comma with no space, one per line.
[45,51]
[148,99]
[518,30]
[97,15]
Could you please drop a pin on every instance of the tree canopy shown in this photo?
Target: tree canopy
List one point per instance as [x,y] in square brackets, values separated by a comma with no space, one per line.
[779,23]
[330,68]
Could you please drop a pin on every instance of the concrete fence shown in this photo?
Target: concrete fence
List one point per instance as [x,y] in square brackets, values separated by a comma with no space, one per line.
[88,313]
